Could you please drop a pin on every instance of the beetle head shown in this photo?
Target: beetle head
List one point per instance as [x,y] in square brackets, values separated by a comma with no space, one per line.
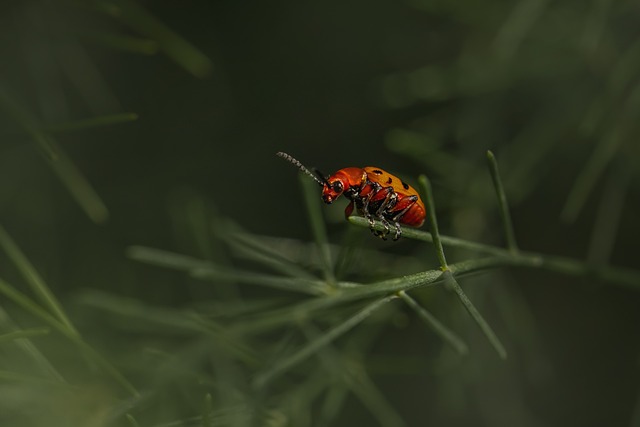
[332,189]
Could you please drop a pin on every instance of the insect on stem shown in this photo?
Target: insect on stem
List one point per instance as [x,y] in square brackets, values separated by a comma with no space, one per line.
[373,193]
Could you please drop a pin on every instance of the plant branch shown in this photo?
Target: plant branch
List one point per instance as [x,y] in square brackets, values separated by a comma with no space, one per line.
[619,276]
[318,343]
[448,276]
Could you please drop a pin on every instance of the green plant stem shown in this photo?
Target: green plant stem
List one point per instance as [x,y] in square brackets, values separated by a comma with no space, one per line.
[183,53]
[602,155]
[313,346]
[139,45]
[92,122]
[609,213]
[35,281]
[203,269]
[32,307]
[254,249]
[132,421]
[445,333]
[305,309]
[207,411]
[312,201]
[371,397]
[356,380]
[475,314]
[23,333]
[448,276]
[413,233]
[59,161]
[509,233]
[28,123]
[503,258]
[431,217]
[30,378]
[78,185]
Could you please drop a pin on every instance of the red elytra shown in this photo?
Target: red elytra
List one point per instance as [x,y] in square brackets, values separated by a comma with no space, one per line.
[376,194]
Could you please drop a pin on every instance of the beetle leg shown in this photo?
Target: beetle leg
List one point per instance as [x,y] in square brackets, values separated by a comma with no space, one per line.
[385,223]
[348,210]
[365,199]
[403,206]
[386,199]
[372,223]
[389,199]
[398,231]
[396,218]
[375,188]
[362,204]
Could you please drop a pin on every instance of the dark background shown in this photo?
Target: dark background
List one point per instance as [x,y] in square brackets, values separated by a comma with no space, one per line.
[412,87]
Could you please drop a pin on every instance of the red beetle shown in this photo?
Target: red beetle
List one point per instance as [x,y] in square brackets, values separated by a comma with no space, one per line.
[376,194]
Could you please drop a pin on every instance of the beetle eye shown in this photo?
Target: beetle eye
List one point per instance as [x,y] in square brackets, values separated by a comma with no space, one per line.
[337,186]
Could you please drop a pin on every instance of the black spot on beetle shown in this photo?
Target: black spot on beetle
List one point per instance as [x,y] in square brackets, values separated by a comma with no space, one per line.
[405,185]
[377,171]
[389,181]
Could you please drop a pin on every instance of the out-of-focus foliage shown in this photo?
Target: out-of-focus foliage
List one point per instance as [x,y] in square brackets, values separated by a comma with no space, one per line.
[129,125]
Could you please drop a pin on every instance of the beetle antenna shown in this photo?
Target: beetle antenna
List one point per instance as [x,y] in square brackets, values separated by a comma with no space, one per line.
[320,175]
[302,167]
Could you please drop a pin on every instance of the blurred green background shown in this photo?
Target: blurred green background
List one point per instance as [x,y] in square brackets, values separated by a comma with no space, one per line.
[156,123]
